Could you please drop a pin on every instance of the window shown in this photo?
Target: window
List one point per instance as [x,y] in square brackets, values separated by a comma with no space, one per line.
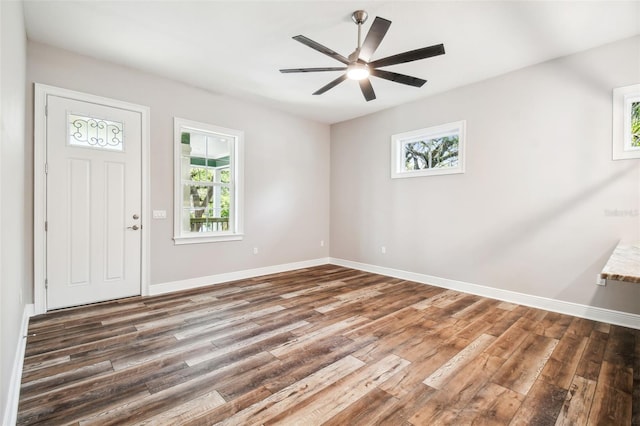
[435,150]
[626,122]
[91,132]
[208,183]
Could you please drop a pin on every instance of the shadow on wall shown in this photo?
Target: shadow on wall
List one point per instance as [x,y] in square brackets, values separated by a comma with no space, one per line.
[623,295]
[530,29]
[617,295]
[506,238]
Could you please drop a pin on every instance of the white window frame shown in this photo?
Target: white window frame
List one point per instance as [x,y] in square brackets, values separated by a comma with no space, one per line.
[623,97]
[399,140]
[236,163]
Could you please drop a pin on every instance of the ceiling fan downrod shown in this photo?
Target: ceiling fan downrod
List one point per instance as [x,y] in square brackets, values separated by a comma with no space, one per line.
[359,17]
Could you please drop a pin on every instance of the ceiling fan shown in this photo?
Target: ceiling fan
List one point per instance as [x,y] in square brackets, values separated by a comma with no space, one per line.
[359,65]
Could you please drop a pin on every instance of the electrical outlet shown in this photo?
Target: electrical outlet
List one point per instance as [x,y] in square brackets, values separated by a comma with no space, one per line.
[255,250]
[321,243]
[383,250]
[600,280]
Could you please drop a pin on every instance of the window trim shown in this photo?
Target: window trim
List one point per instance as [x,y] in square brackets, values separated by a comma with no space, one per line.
[622,99]
[399,140]
[237,169]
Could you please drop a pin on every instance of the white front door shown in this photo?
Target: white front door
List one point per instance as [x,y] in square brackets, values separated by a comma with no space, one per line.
[94,202]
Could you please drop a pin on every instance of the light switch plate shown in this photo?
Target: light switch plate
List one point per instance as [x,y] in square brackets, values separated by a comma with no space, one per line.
[159,214]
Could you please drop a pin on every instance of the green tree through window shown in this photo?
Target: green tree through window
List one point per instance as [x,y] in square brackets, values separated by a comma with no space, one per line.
[635,124]
[432,153]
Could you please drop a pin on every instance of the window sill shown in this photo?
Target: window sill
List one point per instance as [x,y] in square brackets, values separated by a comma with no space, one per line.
[197,239]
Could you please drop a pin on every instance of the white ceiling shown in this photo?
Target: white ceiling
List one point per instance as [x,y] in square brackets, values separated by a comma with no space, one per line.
[237,47]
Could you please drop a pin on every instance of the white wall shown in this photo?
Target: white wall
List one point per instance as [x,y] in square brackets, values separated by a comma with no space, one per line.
[529,215]
[15,190]
[286,159]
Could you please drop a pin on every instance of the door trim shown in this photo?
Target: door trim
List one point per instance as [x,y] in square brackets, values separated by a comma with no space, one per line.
[41,91]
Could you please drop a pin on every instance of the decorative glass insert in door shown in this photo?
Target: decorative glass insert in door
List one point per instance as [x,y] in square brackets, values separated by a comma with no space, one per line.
[92,132]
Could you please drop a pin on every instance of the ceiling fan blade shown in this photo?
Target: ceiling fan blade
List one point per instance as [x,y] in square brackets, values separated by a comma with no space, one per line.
[320,48]
[399,78]
[374,37]
[331,85]
[290,70]
[412,55]
[367,89]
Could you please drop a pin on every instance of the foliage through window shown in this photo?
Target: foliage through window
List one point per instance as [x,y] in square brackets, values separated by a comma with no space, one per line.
[208,181]
[626,122]
[425,152]
[635,124]
[431,153]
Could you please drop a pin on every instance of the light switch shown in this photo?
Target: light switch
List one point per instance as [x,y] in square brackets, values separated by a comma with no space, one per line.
[159,214]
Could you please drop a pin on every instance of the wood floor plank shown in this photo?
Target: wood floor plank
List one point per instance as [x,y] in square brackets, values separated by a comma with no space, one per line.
[186,411]
[34,388]
[225,349]
[292,395]
[343,393]
[171,398]
[448,403]
[492,405]
[235,358]
[406,405]
[591,360]
[228,409]
[612,403]
[327,345]
[311,358]
[541,406]
[442,333]
[563,362]
[439,378]
[553,325]
[507,342]
[400,384]
[577,404]
[308,338]
[521,370]
[368,410]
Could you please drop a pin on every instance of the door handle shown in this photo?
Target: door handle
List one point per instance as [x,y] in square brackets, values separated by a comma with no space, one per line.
[134,227]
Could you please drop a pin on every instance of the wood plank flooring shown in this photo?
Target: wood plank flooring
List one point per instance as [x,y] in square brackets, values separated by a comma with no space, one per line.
[326,345]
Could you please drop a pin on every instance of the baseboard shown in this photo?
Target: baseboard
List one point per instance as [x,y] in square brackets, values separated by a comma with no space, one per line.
[172,286]
[13,395]
[583,311]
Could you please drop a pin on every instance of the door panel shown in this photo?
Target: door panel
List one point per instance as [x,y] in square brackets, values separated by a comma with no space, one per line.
[115,213]
[93,202]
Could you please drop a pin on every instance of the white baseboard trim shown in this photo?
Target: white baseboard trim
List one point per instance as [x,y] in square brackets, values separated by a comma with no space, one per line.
[583,311]
[172,286]
[13,395]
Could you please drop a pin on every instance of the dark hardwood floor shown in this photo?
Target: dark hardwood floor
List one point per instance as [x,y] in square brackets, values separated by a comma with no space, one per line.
[326,345]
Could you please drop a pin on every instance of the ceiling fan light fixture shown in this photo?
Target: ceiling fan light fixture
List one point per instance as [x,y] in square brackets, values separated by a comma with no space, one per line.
[360,65]
[357,71]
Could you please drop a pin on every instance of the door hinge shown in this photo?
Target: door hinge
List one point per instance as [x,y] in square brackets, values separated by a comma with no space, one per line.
[46,283]
[46,168]
[46,226]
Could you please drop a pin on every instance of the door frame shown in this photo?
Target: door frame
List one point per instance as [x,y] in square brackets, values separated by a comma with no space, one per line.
[41,91]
